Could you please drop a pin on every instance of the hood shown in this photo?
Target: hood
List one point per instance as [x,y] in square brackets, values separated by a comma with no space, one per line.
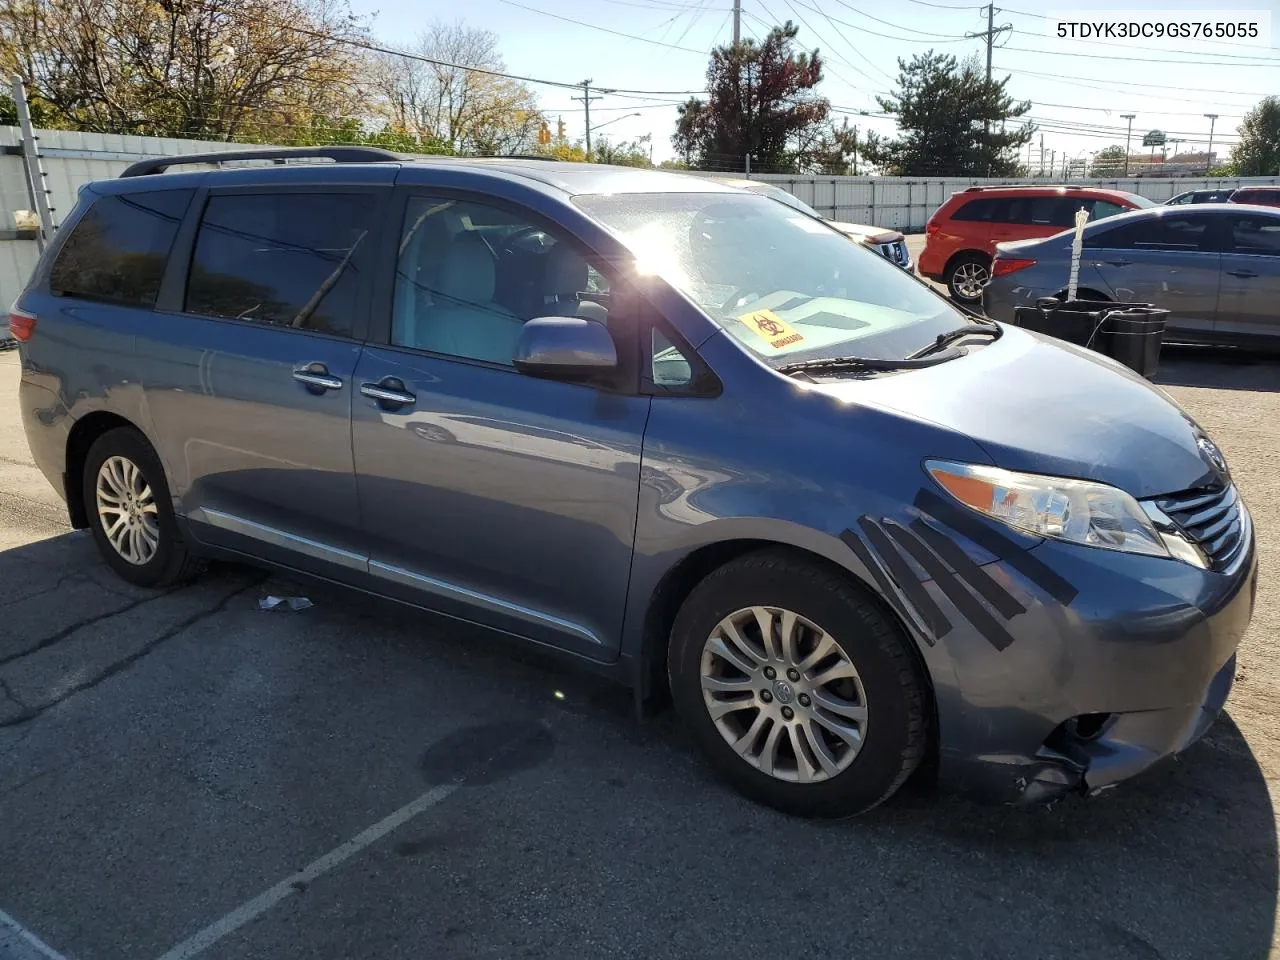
[1039,405]
[860,231]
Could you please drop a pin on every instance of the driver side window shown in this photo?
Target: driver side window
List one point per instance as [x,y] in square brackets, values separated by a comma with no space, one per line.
[469,276]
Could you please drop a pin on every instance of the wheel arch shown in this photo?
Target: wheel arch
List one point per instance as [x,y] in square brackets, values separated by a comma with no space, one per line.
[680,579]
[81,437]
[969,253]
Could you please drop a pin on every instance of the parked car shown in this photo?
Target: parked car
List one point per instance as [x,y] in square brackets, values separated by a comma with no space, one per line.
[1258,196]
[1201,196]
[847,526]
[1215,267]
[961,236]
[890,244]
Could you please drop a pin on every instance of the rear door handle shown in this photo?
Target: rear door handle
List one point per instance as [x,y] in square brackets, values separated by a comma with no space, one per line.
[388,392]
[1242,273]
[317,377]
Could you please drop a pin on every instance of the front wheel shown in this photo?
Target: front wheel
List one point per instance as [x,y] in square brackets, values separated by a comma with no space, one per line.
[967,278]
[797,687]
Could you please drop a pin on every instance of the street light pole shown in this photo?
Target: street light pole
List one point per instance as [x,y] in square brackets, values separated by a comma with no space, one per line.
[1208,157]
[1129,117]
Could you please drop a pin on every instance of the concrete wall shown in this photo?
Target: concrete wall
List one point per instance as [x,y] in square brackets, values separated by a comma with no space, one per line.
[74,159]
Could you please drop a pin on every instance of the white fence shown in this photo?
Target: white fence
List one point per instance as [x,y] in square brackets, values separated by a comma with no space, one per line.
[74,159]
[906,203]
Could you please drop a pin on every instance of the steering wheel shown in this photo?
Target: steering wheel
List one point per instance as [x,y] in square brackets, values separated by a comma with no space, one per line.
[509,244]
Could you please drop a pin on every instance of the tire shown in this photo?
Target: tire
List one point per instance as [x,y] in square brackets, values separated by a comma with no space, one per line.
[966,276]
[886,683]
[134,466]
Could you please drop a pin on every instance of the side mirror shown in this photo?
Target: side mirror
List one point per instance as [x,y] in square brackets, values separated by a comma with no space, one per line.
[565,348]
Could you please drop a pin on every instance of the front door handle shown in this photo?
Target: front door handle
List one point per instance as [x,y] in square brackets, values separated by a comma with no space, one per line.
[1243,274]
[317,377]
[389,393]
[1119,263]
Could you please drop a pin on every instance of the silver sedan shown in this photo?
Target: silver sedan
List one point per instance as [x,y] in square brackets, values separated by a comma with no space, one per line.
[1215,267]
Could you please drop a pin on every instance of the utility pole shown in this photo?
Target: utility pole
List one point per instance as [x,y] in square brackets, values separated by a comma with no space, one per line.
[855,151]
[1128,134]
[989,37]
[1208,157]
[586,99]
[1041,173]
[737,22]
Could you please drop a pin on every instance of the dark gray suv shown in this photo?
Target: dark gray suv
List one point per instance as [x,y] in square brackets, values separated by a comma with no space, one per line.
[673,430]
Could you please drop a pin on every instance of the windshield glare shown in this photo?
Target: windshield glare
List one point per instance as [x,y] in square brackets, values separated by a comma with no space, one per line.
[787,286]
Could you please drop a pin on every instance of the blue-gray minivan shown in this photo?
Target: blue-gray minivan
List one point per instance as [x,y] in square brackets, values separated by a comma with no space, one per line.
[683,434]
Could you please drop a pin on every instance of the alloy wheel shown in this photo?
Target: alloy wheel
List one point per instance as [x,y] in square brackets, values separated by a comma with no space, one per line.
[969,279]
[784,694]
[127,510]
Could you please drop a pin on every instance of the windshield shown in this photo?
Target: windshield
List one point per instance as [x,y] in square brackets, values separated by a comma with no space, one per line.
[790,199]
[1140,201]
[787,286]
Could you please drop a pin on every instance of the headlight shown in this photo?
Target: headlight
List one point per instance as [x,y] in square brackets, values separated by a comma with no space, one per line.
[1078,511]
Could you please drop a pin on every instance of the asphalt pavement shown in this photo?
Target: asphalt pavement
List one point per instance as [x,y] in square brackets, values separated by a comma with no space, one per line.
[183,774]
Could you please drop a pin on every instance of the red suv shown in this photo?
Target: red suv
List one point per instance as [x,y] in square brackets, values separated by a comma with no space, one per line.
[961,236]
[1261,196]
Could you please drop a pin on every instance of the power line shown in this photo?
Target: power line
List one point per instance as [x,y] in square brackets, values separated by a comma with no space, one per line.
[873,33]
[592,26]
[896,26]
[1085,81]
[1271,63]
[1205,53]
[852,46]
[855,69]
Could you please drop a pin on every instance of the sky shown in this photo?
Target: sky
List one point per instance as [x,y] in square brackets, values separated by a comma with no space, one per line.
[1078,88]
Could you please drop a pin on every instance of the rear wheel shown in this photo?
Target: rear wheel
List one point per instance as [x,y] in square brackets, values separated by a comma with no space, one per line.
[798,689]
[966,278]
[131,513]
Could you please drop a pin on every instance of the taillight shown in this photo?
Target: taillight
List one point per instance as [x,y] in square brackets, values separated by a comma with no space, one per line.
[21,324]
[1007,265]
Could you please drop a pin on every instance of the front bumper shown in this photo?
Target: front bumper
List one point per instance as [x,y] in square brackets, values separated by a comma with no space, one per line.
[1132,671]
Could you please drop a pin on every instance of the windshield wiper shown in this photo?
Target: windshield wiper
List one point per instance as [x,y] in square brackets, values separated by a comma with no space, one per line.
[944,339]
[868,363]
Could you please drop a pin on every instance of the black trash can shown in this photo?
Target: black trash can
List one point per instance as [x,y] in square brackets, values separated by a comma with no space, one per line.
[1134,337]
[1076,321]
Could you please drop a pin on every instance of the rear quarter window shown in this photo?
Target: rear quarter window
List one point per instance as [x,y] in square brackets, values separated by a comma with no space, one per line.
[117,251]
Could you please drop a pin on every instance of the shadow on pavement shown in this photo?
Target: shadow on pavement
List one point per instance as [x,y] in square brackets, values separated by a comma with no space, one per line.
[1221,368]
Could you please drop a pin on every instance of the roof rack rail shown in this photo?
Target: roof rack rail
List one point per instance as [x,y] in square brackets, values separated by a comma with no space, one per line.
[278,154]
[1026,186]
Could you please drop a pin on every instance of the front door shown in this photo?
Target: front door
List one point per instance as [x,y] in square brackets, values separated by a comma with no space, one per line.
[248,375]
[1169,261]
[1249,304]
[484,493]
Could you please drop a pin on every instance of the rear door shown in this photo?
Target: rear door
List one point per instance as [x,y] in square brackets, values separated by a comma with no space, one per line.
[1249,301]
[1169,260]
[248,365]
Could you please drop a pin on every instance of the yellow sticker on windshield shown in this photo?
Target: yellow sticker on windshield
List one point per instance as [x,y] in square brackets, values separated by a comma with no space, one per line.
[772,328]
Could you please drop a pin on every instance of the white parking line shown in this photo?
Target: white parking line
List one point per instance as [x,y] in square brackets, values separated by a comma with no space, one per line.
[264,901]
[19,943]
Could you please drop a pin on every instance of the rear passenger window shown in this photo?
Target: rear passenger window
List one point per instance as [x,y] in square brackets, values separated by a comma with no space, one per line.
[289,260]
[117,251]
[1184,232]
[987,210]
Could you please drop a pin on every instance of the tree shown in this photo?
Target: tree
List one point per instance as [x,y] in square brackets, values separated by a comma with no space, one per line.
[761,103]
[951,121]
[206,69]
[467,110]
[629,153]
[1258,152]
[1108,162]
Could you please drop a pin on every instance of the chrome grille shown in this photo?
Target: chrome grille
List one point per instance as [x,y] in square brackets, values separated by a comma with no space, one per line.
[895,252]
[1212,518]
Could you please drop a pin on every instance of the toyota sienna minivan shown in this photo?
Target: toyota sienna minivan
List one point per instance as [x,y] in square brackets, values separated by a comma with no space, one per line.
[681,433]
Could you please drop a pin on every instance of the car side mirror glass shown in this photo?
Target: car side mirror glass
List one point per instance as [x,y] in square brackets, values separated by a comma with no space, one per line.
[565,348]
